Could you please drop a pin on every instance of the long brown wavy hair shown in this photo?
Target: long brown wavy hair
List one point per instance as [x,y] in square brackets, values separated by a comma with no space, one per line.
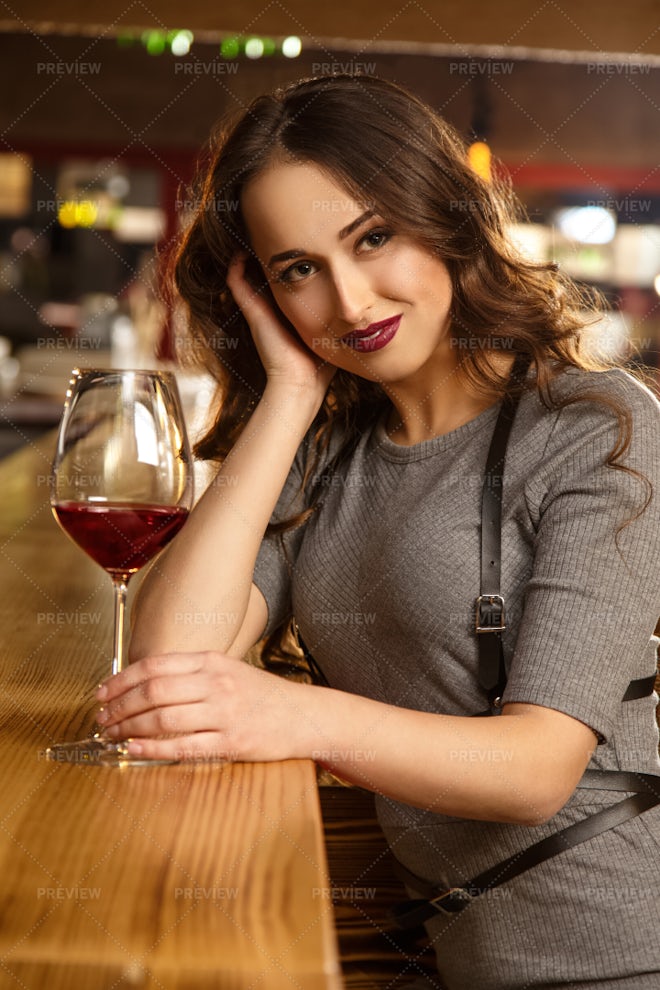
[399,158]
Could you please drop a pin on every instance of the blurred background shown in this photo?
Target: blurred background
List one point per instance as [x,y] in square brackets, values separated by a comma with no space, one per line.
[105,109]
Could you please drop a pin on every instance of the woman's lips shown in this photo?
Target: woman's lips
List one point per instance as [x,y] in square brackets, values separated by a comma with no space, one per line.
[373,337]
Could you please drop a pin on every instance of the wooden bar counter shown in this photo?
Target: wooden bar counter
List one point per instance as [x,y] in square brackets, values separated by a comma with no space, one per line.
[170,877]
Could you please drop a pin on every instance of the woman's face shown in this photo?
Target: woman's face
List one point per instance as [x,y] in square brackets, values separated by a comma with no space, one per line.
[360,295]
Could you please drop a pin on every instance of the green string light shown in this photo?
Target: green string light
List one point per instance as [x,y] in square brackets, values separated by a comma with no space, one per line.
[155,42]
[230,47]
[178,41]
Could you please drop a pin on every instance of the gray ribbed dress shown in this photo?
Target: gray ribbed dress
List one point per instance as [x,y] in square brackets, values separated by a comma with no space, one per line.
[382,581]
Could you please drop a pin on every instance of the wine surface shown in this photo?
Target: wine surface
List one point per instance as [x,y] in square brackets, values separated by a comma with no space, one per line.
[121,537]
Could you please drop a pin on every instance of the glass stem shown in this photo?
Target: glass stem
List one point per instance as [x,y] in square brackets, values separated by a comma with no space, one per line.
[120,609]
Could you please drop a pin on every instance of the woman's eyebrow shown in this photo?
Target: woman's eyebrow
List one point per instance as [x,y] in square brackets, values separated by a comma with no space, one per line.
[347,231]
[286,256]
[343,233]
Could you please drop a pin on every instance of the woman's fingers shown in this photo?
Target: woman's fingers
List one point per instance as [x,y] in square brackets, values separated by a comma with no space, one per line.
[157,696]
[251,302]
[217,703]
[157,693]
[136,673]
[172,720]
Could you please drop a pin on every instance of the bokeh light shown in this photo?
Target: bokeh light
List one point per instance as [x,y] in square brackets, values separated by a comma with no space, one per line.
[230,48]
[181,42]
[254,47]
[480,159]
[587,224]
[291,47]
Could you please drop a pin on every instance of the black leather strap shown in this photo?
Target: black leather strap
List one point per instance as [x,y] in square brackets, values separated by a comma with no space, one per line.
[318,677]
[455,899]
[620,780]
[490,619]
[640,688]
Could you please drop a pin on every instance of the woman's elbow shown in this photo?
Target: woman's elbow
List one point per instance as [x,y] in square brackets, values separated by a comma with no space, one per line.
[539,805]
[553,752]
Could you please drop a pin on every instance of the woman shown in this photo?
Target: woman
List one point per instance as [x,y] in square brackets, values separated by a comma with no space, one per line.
[352,279]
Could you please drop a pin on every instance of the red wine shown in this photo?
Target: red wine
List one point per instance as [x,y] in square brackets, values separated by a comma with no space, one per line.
[121,537]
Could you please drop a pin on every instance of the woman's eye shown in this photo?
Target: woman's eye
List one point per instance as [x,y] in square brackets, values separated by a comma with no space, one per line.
[376,238]
[297,272]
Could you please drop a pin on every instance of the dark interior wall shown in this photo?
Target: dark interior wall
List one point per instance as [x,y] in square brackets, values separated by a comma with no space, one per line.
[82,90]
[573,25]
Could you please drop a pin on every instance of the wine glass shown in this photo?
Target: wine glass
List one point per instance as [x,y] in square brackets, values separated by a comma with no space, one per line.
[121,489]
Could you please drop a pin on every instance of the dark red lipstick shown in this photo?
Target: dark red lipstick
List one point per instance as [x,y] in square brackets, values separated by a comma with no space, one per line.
[373,337]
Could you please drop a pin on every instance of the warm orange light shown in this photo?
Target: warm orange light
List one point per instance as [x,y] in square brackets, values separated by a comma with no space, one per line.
[479,158]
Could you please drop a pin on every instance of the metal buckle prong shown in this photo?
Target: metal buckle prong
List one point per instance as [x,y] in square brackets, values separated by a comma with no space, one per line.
[490,614]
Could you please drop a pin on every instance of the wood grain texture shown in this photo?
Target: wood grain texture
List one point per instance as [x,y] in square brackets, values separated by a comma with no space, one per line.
[176,877]
[375,953]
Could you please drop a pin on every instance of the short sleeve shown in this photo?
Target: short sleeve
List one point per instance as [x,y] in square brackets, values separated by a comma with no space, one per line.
[593,599]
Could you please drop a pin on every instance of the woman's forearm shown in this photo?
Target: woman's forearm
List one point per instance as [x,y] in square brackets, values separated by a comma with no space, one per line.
[195,595]
[519,767]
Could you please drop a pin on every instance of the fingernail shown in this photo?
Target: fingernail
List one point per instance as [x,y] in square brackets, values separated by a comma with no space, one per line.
[102,692]
[102,715]
[134,748]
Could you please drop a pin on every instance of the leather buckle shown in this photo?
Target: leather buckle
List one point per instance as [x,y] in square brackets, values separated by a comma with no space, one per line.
[490,614]
[455,900]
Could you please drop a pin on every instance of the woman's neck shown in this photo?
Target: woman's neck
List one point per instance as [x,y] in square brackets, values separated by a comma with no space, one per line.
[423,410]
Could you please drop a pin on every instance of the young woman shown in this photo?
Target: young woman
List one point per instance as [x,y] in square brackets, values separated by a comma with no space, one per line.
[350,281]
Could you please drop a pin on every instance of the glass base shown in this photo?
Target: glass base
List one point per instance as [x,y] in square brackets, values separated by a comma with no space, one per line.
[97,751]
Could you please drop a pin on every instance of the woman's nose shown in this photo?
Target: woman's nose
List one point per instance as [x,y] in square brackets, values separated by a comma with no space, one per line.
[353,294]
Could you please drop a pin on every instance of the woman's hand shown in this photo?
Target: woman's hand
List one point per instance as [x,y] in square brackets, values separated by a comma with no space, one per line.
[204,706]
[285,358]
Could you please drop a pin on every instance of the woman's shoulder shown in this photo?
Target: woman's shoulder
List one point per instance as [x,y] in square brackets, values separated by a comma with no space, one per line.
[586,415]
[579,403]
[592,415]
[619,386]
